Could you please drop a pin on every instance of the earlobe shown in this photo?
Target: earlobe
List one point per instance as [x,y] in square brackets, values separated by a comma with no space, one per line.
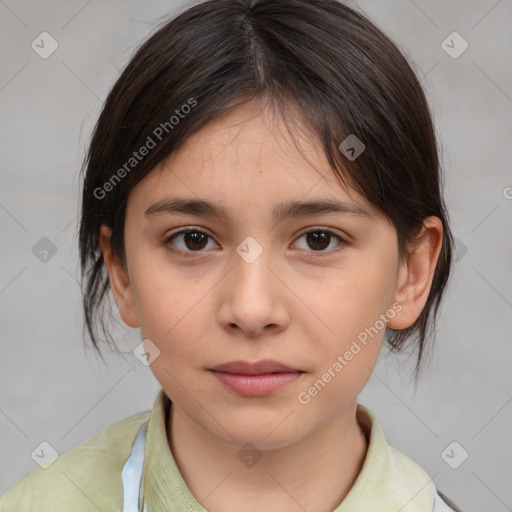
[415,276]
[119,281]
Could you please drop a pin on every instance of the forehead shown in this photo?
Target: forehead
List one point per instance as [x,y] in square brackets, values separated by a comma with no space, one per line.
[248,156]
[249,136]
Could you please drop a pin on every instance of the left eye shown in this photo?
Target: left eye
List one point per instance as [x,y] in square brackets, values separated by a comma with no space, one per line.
[193,239]
[319,239]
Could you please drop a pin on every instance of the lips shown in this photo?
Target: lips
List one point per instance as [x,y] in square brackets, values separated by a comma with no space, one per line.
[263,367]
[255,379]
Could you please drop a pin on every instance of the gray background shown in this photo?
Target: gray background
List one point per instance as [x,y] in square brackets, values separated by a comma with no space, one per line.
[54,390]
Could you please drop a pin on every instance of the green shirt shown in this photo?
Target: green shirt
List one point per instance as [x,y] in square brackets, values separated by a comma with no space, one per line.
[88,478]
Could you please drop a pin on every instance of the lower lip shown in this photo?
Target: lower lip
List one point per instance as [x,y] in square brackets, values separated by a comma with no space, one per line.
[256,385]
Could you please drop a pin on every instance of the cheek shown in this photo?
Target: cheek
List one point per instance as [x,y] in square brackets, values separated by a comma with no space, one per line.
[171,308]
[173,321]
[347,352]
[352,303]
[349,319]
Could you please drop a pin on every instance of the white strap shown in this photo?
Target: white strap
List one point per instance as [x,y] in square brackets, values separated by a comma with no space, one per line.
[132,472]
[440,505]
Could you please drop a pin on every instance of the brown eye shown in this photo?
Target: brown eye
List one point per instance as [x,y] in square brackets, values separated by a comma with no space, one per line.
[189,240]
[319,240]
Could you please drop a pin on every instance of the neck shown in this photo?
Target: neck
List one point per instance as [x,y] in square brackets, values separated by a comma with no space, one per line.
[314,473]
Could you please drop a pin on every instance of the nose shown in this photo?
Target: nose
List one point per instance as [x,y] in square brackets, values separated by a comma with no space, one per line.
[254,299]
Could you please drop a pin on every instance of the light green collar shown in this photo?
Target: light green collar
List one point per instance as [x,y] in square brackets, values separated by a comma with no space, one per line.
[389,481]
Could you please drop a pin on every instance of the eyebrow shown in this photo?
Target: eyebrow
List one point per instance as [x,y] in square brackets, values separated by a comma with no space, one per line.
[281,211]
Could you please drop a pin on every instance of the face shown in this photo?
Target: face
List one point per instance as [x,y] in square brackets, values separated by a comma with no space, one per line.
[302,290]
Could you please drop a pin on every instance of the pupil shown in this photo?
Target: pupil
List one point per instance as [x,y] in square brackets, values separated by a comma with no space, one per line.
[194,239]
[316,239]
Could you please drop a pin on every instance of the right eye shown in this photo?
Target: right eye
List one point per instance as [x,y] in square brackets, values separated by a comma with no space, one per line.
[191,240]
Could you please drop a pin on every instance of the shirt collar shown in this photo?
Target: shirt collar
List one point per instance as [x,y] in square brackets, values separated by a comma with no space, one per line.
[388,481]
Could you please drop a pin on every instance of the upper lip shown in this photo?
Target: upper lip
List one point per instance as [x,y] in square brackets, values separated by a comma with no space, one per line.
[259,368]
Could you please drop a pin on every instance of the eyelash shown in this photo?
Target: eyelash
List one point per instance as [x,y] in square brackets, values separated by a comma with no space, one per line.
[315,254]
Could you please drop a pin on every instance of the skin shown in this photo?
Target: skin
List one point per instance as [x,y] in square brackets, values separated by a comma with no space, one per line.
[289,305]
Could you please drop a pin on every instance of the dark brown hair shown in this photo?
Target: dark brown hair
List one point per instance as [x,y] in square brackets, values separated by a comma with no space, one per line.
[318,58]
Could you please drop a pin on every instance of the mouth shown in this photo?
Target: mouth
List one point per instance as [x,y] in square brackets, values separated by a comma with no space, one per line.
[255,379]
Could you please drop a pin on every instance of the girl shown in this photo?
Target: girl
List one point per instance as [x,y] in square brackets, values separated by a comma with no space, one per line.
[262,195]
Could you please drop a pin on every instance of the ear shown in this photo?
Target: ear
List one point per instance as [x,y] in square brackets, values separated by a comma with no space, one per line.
[118,280]
[415,276]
